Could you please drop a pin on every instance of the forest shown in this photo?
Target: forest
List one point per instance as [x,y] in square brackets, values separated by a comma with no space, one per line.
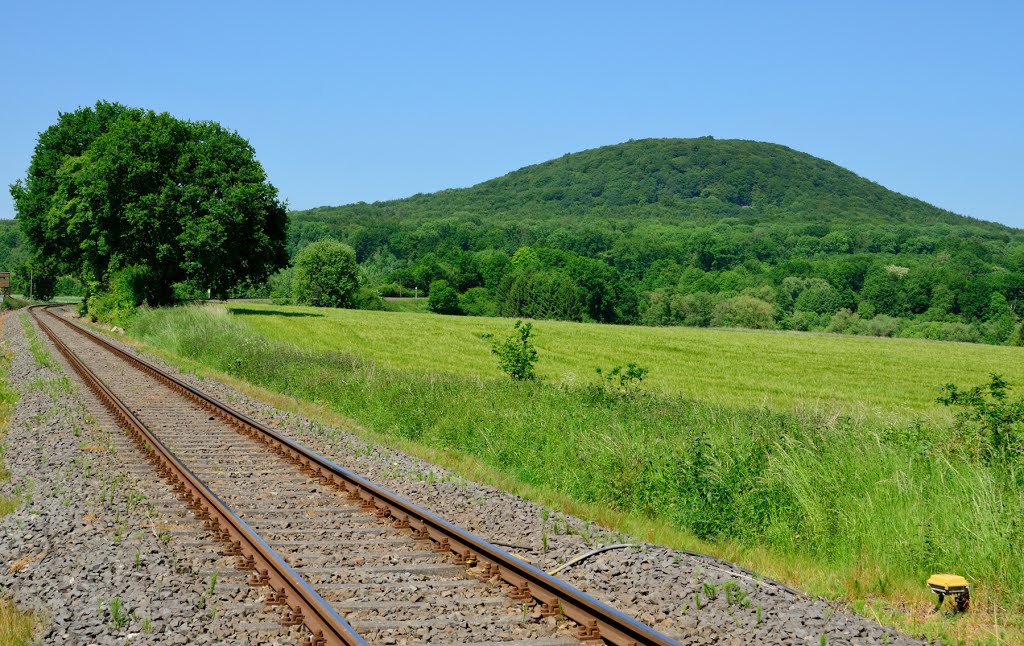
[697,232]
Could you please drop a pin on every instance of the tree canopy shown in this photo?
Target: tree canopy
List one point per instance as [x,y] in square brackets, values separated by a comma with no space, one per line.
[111,188]
[326,275]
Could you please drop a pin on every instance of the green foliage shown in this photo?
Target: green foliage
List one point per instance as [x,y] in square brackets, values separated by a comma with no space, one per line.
[127,290]
[660,232]
[1018,338]
[516,354]
[540,294]
[477,302]
[744,311]
[109,187]
[69,286]
[443,299]
[990,425]
[942,331]
[367,298]
[325,275]
[118,617]
[622,382]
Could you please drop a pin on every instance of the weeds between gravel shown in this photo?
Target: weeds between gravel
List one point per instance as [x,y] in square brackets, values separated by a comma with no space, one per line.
[15,626]
[856,509]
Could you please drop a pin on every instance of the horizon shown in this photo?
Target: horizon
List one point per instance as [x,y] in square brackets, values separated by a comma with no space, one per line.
[451,188]
[362,104]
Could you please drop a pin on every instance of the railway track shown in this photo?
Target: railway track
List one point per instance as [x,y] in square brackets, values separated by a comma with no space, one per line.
[351,561]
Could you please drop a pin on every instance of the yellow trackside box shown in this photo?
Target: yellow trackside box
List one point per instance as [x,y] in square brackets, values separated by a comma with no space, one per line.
[951,585]
[5,279]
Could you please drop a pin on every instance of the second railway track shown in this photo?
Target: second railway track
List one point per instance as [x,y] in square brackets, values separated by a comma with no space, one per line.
[353,562]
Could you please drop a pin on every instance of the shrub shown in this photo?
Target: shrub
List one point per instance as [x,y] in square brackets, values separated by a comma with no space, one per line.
[693,309]
[621,382]
[477,302]
[367,298]
[443,298]
[280,283]
[326,275]
[395,290]
[804,321]
[128,288]
[881,325]
[516,355]
[942,331]
[990,426]
[744,311]
[69,286]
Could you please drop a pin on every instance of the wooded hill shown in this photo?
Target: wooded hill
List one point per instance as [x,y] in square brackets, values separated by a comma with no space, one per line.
[692,232]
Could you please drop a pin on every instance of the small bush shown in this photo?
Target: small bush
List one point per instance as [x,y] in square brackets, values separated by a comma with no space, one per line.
[69,286]
[805,321]
[516,355]
[325,275]
[443,298]
[744,311]
[477,302]
[942,331]
[367,298]
[127,290]
[990,426]
[621,382]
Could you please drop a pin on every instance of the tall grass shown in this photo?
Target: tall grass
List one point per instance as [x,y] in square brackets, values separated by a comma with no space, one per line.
[881,505]
[15,626]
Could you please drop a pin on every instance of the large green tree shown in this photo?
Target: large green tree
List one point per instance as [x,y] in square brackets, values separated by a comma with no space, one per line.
[111,187]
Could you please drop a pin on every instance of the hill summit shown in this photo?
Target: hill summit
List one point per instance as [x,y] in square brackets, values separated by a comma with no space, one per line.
[673,171]
[703,178]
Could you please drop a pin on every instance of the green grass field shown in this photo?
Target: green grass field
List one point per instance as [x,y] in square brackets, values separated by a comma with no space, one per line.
[862,376]
[749,463]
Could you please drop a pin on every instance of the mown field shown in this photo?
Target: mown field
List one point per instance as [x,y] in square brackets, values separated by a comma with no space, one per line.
[824,461]
[782,370]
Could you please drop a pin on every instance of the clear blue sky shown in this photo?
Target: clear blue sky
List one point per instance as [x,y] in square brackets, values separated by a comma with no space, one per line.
[367,101]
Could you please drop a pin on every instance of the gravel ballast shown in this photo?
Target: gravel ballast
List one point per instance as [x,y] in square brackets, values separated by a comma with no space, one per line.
[100,550]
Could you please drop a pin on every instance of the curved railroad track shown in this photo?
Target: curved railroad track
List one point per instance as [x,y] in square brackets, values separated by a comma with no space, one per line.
[353,562]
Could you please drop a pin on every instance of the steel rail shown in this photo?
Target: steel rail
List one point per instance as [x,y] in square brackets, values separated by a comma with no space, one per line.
[597,621]
[305,605]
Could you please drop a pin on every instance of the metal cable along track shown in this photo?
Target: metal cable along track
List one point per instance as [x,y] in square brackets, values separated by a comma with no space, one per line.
[596,620]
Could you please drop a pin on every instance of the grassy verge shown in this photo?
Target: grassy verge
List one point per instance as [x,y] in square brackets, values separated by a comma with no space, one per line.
[15,626]
[846,507]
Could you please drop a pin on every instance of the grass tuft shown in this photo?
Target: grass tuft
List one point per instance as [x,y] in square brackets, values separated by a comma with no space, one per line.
[15,626]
